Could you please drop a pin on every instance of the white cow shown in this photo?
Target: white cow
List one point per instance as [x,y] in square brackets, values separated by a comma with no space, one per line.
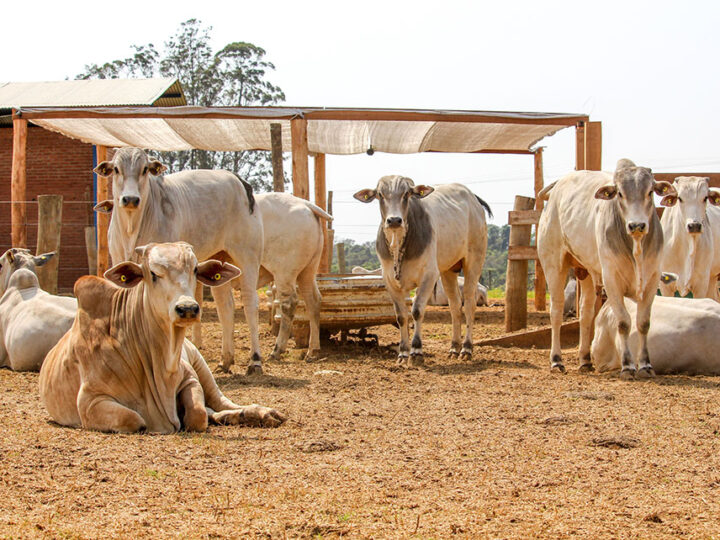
[32,321]
[691,226]
[684,336]
[364,271]
[440,298]
[426,233]
[605,226]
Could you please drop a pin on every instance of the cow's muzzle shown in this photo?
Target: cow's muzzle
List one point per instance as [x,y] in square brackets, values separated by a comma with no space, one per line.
[188,311]
[636,228]
[130,202]
[394,222]
[694,227]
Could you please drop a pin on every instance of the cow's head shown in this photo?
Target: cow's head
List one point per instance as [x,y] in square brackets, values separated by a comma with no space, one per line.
[170,273]
[130,170]
[692,196]
[14,259]
[394,194]
[633,189]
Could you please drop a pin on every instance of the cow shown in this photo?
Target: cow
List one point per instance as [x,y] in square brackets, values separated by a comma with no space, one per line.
[570,294]
[125,365]
[440,298]
[32,321]
[426,233]
[213,211]
[293,238]
[691,226]
[684,336]
[606,227]
[359,270]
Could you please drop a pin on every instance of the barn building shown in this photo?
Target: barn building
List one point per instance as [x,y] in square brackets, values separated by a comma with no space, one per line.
[58,165]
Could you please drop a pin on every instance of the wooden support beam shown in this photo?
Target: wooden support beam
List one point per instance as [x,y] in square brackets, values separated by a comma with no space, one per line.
[321,201]
[91,248]
[342,269]
[538,339]
[517,271]
[540,288]
[522,253]
[103,220]
[300,170]
[277,157]
[523,217]
[580,146]
[48,239]
[18,182]
[593,146]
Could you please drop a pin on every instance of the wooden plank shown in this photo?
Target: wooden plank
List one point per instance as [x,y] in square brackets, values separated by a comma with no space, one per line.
[517,271]
[341,257]
[330,240]
[580,146]
[321,200]
[523,217]
[91,248]
[48,239]
[300,169]
[103,220]
[18,182]
[539,338]
[522,253]
[539,183]
[593,146]
[277,157]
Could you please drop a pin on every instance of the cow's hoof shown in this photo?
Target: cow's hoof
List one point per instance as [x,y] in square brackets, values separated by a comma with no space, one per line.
[254,369]
[466,356]
[627,374]
[646,373]
[453,354]
[586,368]
[417,360]
[557,368]
[221,368]
[403,361]
[275,355]
[313,355]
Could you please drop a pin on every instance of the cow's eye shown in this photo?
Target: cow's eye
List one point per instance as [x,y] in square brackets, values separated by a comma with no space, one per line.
[117,171]
[620,195]
[145,170]
[195,271]
[679,199]
[705,199]
[154,276]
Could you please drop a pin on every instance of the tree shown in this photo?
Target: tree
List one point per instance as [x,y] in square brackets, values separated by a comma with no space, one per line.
[235,75]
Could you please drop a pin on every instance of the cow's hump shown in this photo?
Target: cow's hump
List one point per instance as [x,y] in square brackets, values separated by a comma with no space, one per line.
[94,295]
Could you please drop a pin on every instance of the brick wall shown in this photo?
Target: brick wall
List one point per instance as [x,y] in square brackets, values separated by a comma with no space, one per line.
[56,165]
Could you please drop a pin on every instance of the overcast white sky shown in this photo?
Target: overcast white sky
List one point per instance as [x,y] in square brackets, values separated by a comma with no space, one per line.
[647,70]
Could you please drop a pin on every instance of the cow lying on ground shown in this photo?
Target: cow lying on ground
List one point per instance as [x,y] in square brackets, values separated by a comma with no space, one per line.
[684,336]
[293,233]
[32,321]
[125,364]
[605,226]
[569,307]
[691,226]
[427,233]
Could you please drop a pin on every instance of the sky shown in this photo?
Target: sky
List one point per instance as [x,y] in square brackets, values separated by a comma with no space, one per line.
[647,70]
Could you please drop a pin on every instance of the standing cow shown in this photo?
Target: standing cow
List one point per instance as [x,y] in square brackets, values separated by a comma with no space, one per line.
[426,233]
[605,226]
[691,226]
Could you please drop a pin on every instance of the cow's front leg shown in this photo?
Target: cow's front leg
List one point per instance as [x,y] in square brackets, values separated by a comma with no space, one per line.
[226,314]
[102,413]
[192,400]
[622,317]
[642,320]
[398,297]
[587,318]
[422,296]
[248,290]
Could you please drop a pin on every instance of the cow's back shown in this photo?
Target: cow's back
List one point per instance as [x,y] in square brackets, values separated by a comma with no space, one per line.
[60,380]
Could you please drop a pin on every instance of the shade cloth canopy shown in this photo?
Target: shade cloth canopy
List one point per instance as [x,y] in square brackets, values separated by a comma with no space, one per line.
[329,131]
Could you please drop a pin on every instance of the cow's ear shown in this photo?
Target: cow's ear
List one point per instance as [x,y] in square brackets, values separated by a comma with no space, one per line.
[663,188]
[366,195]
[125,274]
[40,260]
[213,273]
[104,207]
[714,197]
[105,168]
[669,200]
[606,192]
[156,168]
[422,191]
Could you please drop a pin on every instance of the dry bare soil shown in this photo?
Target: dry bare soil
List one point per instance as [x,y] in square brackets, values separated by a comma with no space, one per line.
[497,447]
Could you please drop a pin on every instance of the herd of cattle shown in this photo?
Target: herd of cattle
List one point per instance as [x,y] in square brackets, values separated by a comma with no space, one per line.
[115,357]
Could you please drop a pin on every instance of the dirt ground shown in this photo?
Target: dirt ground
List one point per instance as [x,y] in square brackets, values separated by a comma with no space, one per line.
[496,447]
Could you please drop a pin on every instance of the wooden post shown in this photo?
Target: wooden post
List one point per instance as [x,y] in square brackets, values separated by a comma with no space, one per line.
[277,157]
[91,248]
[329,236]
[48,239]
[300,174]
[321,201]
[103,220]
[540,304]
[18,211]
[580,146]
[341,257]
[517,272]
[593,146]
[329,242]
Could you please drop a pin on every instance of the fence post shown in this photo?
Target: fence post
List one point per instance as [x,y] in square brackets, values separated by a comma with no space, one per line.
[91,248]
[341,257]
[517,272]
[48,239]
[277,157]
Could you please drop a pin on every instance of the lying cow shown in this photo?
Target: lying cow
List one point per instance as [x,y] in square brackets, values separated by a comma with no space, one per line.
[427,233]
[691,226]
[570,293]
[293,232]
[125,364]
[32,321]
[684,336]
[364,271]
[440,298]
[605,226]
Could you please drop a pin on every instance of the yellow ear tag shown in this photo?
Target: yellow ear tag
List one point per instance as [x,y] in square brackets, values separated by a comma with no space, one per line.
[664,189]
[217,277]
[366,197]
[421,193]
[123,278]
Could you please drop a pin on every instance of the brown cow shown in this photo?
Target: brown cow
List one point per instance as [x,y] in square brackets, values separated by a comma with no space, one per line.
[125,364]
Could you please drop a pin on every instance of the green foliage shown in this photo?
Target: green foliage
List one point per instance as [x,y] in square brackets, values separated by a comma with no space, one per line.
[234,75]
[357,254]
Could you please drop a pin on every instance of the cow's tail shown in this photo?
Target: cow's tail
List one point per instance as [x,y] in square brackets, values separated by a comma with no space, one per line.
[319,212]
[248,192]
[545,192]
[485,205]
